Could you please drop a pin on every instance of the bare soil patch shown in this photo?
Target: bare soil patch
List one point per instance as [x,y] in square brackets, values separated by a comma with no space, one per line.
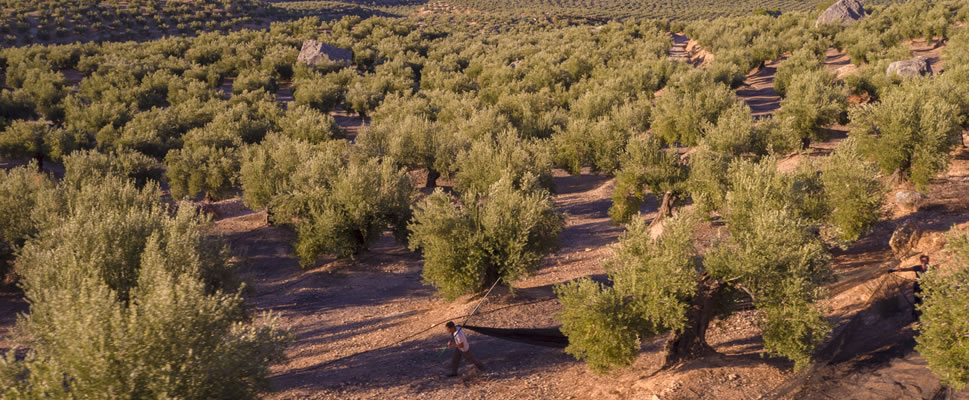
[689,51]
[758,90]
[12,303]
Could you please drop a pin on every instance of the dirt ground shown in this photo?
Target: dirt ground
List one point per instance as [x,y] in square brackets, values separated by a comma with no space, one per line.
[758,90]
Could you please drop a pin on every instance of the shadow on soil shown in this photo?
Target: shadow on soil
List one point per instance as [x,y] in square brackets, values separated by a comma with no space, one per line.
[420,365]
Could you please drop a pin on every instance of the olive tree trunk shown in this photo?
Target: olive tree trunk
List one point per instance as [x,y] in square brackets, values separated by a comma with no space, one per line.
[40,161]
[432,176]
[691,343]
[665,208]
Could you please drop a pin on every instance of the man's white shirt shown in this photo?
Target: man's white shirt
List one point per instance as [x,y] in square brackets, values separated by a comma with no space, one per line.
[460,339]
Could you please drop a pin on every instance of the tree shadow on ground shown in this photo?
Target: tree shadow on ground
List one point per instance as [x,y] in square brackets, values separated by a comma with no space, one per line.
[12,303]
[569,184]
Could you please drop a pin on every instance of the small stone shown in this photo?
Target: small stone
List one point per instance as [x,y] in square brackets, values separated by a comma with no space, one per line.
[733,377]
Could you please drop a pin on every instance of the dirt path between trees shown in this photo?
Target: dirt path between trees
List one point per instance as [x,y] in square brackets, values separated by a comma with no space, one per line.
[758,90]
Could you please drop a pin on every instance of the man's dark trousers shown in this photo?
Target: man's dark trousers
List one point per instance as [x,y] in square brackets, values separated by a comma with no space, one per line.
[456,360]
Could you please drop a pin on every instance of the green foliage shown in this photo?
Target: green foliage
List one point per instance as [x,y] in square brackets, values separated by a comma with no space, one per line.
[90,167]
[14,104]
[127,301]
[33,138]
[599,143]
[943,329]
[318,93]
[801,60]
[654,281]
[21,190]
[852,191]
[691,100]
[814,100]
[773,257]
[414,141]
[309,124]
[102,230]
[337,205]
[361,201]
[601,330]
[504,157]
[202,169]
[500,234]
[909,132]
[754,187]
[646,165]
[281,165]
[254,79]
[46,91]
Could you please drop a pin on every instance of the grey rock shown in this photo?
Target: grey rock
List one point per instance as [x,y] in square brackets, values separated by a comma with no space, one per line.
[909,68]
[905,237]
[843,12]
[909,200]
[316,53]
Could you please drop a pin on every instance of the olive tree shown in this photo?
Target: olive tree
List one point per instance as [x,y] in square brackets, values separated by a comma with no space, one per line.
[309,124]
[652,284]
[661,284]
[130,301]
[801,60]
[852,191]
[337,204]
[489,159]
[355,207]
[908,133]
[599,143]
[23,192]
[414,141]
[814,100]
[691,99]
[37,139]
[943,328]
[501,234]
[647,165]
[91,166]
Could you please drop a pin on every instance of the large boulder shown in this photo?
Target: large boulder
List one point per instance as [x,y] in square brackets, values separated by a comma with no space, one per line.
[843,12]
[905,237]
[917,66]
[316,53]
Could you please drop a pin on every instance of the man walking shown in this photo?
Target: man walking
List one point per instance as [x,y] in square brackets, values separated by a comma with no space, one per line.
[462,349]
[920,269]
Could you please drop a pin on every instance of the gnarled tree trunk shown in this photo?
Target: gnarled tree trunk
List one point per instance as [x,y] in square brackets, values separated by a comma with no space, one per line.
[692,342]
[432,176]
[665,208]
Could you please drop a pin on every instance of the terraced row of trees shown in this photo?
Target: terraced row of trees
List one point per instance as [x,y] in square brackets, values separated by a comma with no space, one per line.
[616,9]
[26,22]
[487,115]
